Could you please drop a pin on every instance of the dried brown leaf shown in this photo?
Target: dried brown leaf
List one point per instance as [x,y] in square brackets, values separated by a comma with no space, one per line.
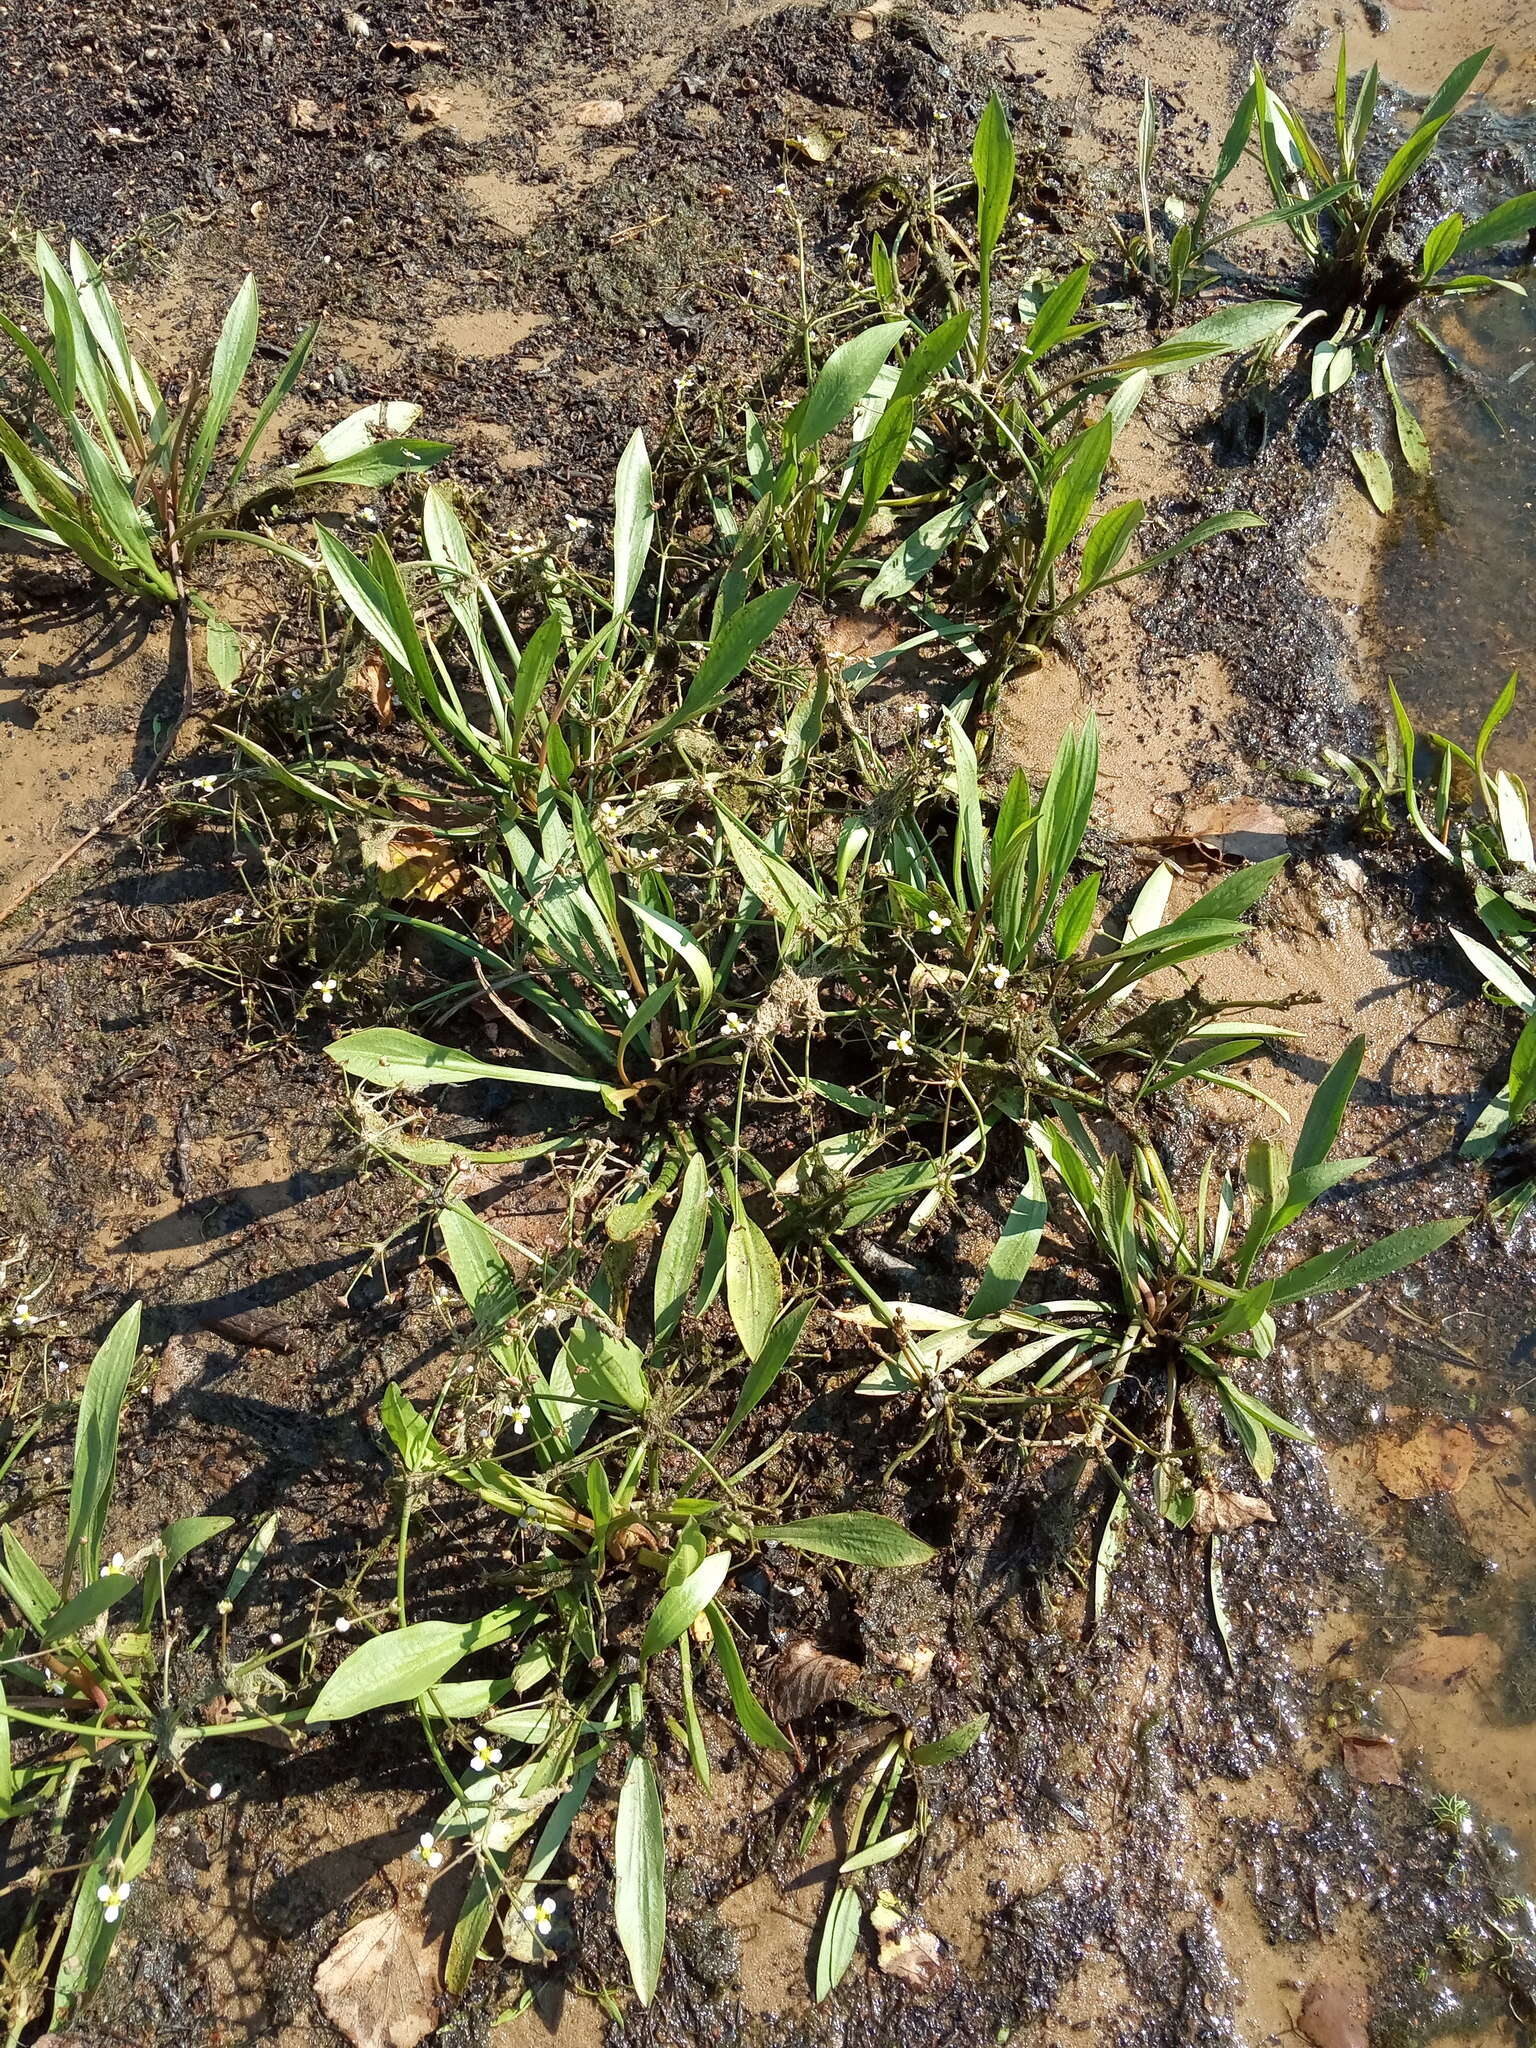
[1439,1662]
[1371,1759]
[413,46]
[379,1984]
[1436,1459]
[428,107]
[1218,1512]
[310,118]
[915,1957]
[598,113]
[1244,830]
[804,1677]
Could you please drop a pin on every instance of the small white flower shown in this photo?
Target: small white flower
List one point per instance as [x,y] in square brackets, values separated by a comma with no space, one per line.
[575,524]
[117,1563]
[237,915]
[113,1898]
[609,814]
[429,1852]
[215,1790]
[782,191]
[295,691]
[61,1365]
[934,742]
[549,1316]
[702,831]
[274,1635]
[937,922]
[901,1043]
[777,732]
[540,1916]
[342,1624]
[483,1757]
[1000,977]
[206,783]
[326,990]
[734,1025]
[519,1416]
[55,1685]
[23,1316]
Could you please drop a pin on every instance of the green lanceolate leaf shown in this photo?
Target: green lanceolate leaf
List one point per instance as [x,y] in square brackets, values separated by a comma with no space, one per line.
[399,1059]
[754,1290]
[1411,438]
[1353,1267]
[609,1368]
[1510,222]
[96,1434]
[855,1538]
[733,646]
[839,1940]
[88,1605]
[640,1877]
[945,1749]
[681,1248]
[755,1724]
[845,379]
[1376,476]
[777,1349]
[633,521]
[121,1854]
[1014,1252]
[403,1663]
[681,1605]
[993,163]
[485,1279]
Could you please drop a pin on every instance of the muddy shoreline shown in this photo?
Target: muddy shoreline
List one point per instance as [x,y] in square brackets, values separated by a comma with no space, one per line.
[1154,1846]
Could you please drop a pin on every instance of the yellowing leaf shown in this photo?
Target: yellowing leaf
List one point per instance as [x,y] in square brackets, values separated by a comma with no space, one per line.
[410,860]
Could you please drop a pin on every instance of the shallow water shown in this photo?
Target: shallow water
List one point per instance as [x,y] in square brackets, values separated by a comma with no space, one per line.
[1456,611]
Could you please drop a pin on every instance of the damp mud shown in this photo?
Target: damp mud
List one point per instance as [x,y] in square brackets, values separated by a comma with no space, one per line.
[1308,1817]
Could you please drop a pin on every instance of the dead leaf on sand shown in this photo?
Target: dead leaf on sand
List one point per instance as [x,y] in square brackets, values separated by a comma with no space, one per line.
[1371,1759]
[1436,1459]
[310,118]
[1333,2016]
[413,46]
[379,1984]
[1218,1512]
[428,107]
[915,1957]
[1244,830]
[598,113]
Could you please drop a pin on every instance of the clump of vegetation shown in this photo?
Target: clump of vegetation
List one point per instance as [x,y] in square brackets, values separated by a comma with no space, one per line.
[1476,818]
[136,484]
[1360,279]
[819,969]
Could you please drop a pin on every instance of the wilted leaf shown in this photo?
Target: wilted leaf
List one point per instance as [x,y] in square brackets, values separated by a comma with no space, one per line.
[1436,1459]
[914,1956]
[598,113]
[427,107]
[379,1984]
[408,860]
[1217,1512]
[310,118]
[804,1677]
[820,145]
[1333,2016]
[372,677]
[1371,1759]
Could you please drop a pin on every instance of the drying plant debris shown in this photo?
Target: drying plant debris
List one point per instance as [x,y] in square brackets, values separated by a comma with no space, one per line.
[800,1168]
